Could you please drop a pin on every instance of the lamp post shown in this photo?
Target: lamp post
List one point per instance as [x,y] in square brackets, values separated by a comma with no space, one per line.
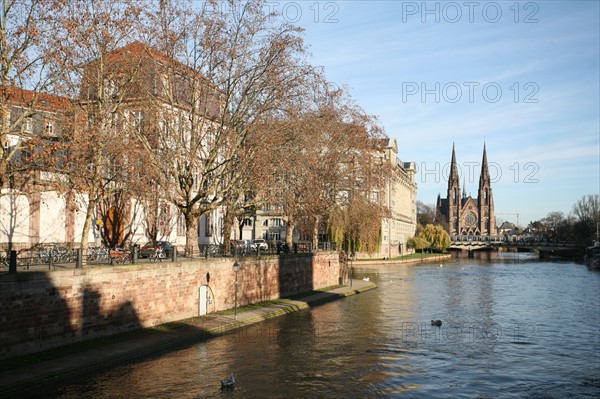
[236,269]
[351,260]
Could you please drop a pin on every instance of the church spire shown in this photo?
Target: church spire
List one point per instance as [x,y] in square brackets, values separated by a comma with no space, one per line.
[453,178]
[484,177]
[486,199]
[454,200]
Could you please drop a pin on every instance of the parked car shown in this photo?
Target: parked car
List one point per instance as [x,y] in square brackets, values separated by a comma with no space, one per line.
[260,244]
[148,249]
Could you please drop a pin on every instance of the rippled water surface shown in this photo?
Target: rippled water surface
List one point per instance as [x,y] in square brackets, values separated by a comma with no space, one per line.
[515,327]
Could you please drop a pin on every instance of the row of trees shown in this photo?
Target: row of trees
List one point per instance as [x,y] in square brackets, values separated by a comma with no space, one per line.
[200,106]
[581,225]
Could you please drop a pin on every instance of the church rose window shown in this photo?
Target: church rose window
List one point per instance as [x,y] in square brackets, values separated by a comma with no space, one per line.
[471,219]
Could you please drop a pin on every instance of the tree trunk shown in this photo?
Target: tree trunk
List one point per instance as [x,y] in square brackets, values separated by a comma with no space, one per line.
[191,234]
[291,225]
[86,227]
[315,235]
[227,223]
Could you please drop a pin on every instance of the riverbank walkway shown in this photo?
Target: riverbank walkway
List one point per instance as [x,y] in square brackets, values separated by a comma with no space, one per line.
[31,378]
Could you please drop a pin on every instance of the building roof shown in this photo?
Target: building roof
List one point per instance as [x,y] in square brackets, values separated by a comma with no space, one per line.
[36,100]
[507,226]
[138,48]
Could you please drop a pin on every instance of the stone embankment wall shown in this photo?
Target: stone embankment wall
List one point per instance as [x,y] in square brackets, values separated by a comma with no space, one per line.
[40,311]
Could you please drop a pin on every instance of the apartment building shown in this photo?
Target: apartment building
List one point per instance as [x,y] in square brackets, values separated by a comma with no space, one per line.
[400,196]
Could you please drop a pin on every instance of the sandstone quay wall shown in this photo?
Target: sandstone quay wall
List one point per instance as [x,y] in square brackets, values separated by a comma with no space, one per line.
[40,311]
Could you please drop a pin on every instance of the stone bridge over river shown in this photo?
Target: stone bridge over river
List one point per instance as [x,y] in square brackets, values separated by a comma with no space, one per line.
[507,244]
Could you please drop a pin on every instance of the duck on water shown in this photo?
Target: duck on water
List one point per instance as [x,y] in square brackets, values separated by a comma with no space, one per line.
[228,383]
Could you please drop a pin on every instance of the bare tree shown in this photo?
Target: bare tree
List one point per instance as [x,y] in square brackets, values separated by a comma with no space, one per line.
[29,65]
[425,213]
[587,213]
[587,209]
[235,67]
[104,161]
[330,163]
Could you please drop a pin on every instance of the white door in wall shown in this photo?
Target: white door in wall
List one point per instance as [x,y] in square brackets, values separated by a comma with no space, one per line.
[203,300]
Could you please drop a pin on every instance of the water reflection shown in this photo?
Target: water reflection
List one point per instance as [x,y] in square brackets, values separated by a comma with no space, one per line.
[515,327]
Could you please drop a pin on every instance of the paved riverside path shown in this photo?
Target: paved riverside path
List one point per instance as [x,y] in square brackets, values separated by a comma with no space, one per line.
[33,379]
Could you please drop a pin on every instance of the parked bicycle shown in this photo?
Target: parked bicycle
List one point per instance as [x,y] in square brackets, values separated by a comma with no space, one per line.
[97,253]
[62,255]
[120,255]
[43,255]
[158,255]
[211,250]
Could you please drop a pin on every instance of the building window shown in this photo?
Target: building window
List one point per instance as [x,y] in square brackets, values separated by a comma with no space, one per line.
[181,225]
[114,123]
[49,128]
[167,127]
[195,179]
[138,120]
[207,226]
[305,237]
[274,235]
[29,125]
[247,222]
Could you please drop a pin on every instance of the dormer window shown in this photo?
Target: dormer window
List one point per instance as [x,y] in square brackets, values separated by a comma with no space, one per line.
[49,128]
[29,125]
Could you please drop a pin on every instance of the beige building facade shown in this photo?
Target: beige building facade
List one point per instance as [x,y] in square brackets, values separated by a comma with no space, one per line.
[400,197]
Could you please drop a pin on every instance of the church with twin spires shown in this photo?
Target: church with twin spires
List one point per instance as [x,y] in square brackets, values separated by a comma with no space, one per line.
[464,214]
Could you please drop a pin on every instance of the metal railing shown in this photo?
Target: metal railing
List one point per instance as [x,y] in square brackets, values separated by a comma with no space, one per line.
[56,257]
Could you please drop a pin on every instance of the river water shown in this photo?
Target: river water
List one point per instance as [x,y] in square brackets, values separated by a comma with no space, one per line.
[513,327]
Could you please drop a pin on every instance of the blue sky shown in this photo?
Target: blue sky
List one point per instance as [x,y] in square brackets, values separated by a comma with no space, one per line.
[523,77]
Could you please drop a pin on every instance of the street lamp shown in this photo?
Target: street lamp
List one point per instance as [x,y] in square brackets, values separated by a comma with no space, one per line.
[236,269]
[350,273]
